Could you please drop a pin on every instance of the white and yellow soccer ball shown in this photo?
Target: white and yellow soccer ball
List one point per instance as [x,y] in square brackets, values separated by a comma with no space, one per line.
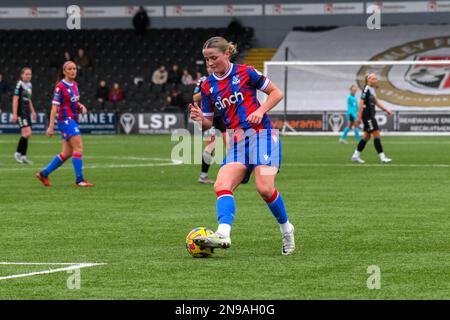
[193,249]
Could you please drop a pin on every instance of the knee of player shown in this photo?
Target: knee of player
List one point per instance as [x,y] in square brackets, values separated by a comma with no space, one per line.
[223,185]
[66,155]
[219,186]
[264,190]
[78,148]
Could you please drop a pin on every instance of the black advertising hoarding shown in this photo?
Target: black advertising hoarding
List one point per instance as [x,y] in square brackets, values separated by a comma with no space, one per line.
[150,123]
[89,123]
[307,122]
[7,126]
[424,122]
[325,121]
[337,121]
[97,123]
[165,123]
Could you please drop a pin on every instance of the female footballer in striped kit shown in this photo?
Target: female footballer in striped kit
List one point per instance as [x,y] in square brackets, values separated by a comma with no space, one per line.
[218,124]
[66,106]
[232,89]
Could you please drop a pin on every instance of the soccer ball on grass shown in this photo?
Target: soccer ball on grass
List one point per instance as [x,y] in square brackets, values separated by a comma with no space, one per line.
[195,250]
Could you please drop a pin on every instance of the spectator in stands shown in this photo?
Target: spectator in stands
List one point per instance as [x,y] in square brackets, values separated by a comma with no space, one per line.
[57,62]
[160,76]
[175,75]
[175,100]
[198,76]
[82,60]
[141,21]
[102,93]
[67,57]
[116,93]
[235,30]
[186,79]
[4,88]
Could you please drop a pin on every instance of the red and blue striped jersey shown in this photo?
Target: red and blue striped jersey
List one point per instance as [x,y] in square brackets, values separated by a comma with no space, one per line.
[234,95]
[66,96]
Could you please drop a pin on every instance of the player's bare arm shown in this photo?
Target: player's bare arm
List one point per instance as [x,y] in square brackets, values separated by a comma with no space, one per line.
[15,108]
[197,97]
[51,124]
[360,110]
[33,111]
[197,116]
[274,97]
[382,107]
[83,108]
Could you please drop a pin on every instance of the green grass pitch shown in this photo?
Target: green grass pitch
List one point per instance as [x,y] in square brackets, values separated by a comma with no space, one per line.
[135,219]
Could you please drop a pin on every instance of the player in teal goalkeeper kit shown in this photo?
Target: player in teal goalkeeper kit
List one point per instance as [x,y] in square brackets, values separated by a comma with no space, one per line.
[352,115]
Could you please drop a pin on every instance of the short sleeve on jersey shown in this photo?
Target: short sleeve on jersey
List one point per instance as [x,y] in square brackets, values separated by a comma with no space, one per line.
[57,96]
[365,93]
[207,104]
[257,79]
[18,89]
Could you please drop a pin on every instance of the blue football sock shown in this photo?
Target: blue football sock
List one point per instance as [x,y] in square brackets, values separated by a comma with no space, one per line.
[53,165]
[276,205]
[344,134]
[225,207]
[77,161]
[358,137]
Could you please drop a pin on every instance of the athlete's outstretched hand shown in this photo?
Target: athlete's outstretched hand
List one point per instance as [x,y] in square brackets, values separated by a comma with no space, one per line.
[389,112]
[255,117]
[83,108]
[196,112]
[50,132]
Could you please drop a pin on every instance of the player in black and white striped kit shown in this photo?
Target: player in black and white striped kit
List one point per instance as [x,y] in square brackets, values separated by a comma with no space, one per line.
[366,113]
[23,112]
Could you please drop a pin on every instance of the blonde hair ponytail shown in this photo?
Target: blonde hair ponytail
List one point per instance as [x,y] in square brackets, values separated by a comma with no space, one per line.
[221,44]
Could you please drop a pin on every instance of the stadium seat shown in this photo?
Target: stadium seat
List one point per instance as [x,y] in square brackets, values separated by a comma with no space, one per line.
[115,54]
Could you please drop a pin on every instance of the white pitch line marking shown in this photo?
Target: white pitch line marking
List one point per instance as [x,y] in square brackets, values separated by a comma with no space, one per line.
[311,165]
[71,266]
[168,162]
[102,142]
[437,165]
[136,158]
[42,263]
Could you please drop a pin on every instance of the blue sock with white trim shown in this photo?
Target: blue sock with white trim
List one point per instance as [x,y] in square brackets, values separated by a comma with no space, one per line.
[276,206]
[57,161]
[225,208]
[77,162]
